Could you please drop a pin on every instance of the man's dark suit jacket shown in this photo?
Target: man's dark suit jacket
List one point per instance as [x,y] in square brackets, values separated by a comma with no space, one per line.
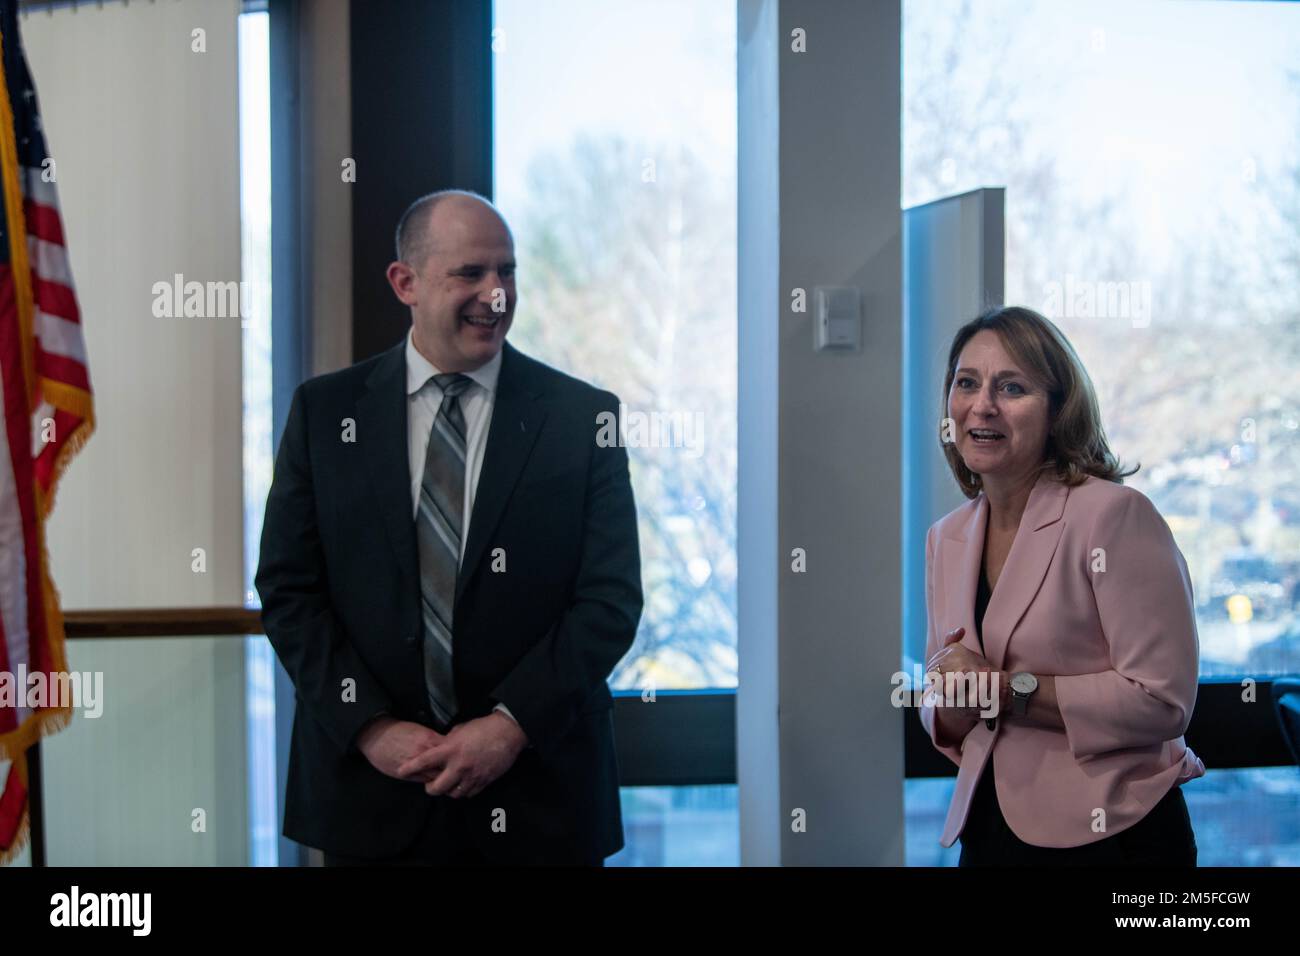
[338,578]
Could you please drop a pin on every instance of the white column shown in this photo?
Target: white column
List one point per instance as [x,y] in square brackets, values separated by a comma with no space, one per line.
[819,435]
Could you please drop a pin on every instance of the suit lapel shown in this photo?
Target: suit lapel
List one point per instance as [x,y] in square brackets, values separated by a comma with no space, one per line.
[1022,575]
[381,435]
[517,418]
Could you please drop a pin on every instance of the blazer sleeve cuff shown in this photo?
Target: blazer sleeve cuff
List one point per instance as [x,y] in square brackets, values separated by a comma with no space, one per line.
[1107,711]
[930,721]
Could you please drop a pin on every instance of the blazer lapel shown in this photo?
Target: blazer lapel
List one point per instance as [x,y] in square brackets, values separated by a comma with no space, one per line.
[1022,574]
[381,435]
[517,418]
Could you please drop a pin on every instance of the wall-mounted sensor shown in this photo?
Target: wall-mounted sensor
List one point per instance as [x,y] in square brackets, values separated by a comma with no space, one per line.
[837,323]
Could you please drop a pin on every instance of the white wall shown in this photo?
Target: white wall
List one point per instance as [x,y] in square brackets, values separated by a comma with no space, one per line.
[145,136]
[820,436]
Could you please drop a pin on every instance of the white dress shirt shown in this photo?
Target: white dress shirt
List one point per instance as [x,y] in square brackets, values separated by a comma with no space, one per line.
[424,398]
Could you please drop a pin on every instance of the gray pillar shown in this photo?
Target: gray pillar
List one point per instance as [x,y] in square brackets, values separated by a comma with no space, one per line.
[819,435]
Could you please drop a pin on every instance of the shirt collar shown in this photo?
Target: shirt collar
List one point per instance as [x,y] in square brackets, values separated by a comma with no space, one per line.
[419,370]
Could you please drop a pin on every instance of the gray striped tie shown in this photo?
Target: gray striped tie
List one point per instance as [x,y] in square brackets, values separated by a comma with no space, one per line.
[438,532]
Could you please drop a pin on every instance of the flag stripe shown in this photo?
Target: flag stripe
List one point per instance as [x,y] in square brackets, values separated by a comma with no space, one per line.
[12,803]
[61,337]
[13,594]
[61,369]
[43,222]
[50,259]
[54,298]
[18,423]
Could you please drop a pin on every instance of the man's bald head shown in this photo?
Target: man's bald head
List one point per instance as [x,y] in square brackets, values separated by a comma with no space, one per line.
[415,237]
[455,270]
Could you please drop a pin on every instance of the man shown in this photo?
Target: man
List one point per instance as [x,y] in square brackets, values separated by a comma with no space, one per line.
[449,573]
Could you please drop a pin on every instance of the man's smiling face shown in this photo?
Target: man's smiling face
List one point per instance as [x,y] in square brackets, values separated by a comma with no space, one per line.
[462,295]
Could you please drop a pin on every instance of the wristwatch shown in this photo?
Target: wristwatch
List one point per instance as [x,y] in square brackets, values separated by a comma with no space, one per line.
[1023,685]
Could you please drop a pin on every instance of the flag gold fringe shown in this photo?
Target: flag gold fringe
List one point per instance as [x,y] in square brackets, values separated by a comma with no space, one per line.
[71,445]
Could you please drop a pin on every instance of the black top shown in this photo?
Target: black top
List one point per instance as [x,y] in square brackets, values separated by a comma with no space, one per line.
[982,595]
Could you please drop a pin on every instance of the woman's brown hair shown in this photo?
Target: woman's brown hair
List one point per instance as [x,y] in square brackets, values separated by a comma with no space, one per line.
[1076,444]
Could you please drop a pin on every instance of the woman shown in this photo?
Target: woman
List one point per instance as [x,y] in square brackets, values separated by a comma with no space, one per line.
[1064,590]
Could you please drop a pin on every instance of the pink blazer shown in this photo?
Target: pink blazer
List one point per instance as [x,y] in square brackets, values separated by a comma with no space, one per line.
[1121,643]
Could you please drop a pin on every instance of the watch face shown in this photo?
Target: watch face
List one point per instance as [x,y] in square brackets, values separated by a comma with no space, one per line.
[1024,683]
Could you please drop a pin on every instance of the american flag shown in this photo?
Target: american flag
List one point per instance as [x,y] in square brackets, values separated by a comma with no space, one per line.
[48,415]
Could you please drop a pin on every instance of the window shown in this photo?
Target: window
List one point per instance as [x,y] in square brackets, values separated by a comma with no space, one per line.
[620,185]
[680,826]
[255,217]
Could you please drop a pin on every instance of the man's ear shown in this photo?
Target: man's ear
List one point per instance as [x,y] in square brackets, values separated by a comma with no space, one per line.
[402,279]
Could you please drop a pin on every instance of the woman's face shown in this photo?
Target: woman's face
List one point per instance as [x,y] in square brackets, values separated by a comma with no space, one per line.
[991,392]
